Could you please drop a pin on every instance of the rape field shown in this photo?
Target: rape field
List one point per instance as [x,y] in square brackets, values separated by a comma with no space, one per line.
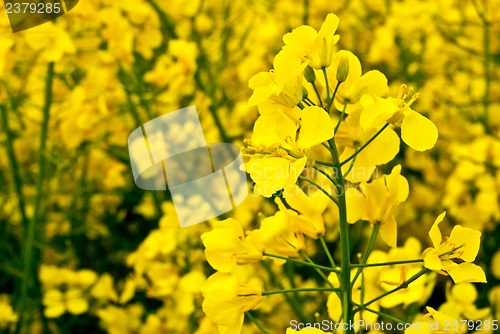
[370,134]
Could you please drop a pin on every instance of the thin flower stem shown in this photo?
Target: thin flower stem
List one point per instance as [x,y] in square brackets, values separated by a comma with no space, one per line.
[353,161]
[364,145]
[324,163]
[341,118]
[383,264]
[328,176]
[333,199]
[294,304]
[308,264]
[328,100]
[403,285]
[369,248]
[16,176]
[29,271]
[317,94]
[257,323]
[320,273]
[276,292]
[327,251]
[335,92]
[392,263]
[384,315]
[345,262]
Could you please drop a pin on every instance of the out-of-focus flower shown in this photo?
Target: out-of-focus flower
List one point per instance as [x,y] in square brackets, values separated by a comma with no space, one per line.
[49,39]
[460,299]
[7,314]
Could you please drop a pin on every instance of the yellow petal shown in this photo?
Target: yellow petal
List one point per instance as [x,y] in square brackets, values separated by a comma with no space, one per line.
[434,232]
[272,128]
[389,231]
[300,40]
[315,127]
[470,239]
[356,205]
[433,262]
[75,303]
[467,272]
[329,27]
[418,131]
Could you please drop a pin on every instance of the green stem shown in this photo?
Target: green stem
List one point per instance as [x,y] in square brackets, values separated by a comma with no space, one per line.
[333,199]
[30,274]
[403,285]
[320,273]
[323,163]
[16,176]
[364,145]
[296,307]
[328,100]
[276,292]
[317,94]
[341,118]
[303,263]
[487,73]
[383,264]
[257,323]
[353,161]
[369,248]
[345,262]
[327,251]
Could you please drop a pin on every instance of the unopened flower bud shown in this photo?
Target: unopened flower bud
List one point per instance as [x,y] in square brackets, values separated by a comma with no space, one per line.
[309,74]
[343,69]
[305,93]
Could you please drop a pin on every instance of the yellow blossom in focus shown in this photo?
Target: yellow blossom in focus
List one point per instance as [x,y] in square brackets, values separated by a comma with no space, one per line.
[310,208]
[283,84]
[378,201]
[417,131]
[226,301]
[315,46]
[278,234]
[356,84]
[226,246]
[277,155]
[463,244]
[351,135]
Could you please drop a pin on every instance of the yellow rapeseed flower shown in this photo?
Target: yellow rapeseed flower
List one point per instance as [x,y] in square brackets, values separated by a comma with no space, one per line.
[226,301]
[462,244]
